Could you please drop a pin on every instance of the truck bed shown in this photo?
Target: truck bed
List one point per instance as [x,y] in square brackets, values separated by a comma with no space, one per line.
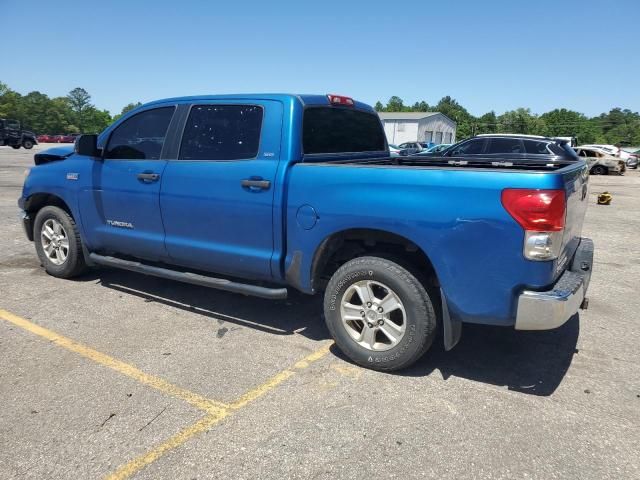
[450,210]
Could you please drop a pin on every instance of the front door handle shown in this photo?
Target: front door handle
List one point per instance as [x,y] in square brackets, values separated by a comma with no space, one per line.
[148,177]
[255,183]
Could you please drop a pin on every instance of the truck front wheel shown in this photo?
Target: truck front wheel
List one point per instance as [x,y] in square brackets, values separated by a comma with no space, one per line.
[379,314]
[58,243]
[28,144]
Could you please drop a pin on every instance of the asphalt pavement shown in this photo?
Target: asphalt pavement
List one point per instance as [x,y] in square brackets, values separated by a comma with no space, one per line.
[117,375]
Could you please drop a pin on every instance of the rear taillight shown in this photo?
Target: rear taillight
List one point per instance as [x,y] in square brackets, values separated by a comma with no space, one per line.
[537,210]
[541,213]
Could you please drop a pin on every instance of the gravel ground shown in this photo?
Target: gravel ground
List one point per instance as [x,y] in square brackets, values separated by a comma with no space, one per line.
[146,378]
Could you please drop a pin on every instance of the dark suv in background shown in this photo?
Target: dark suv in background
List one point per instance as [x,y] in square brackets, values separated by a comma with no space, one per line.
[12,135]
[509,147]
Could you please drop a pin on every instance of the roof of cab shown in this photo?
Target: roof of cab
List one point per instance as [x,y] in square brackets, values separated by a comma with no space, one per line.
[305,100]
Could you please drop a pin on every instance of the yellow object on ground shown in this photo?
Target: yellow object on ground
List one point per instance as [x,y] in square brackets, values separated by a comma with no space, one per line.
[604,198]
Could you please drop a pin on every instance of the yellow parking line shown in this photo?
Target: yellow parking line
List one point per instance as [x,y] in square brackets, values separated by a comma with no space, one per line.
[277,379]
[216,411]
[210,406]
[137,464]
[209,421]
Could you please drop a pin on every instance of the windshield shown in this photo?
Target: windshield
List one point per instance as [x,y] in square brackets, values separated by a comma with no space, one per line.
[341,130]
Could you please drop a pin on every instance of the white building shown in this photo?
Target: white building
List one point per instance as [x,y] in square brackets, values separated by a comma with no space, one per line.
[403,127]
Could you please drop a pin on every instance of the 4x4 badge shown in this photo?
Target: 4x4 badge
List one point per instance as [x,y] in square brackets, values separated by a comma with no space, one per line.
[72,176]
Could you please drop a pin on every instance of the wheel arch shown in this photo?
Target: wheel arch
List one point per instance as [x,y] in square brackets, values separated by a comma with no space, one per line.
[37,201]
[341,246]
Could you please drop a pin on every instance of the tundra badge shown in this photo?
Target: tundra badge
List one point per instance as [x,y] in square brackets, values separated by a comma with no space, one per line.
[116,223]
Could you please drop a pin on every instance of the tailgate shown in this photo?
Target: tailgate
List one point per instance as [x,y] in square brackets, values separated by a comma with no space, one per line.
[576,185]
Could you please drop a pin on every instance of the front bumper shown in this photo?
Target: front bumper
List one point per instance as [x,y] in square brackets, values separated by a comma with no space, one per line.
[552,308]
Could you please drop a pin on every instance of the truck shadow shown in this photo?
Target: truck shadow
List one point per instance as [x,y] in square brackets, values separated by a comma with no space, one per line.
[299,314]
[533,363]
[528,362]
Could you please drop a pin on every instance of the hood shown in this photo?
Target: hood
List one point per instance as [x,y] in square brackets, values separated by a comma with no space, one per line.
[53,154]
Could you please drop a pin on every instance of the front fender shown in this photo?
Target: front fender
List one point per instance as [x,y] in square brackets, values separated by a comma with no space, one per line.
[50,184]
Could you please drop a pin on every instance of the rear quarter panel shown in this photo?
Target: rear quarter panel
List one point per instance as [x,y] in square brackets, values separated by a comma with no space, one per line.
[454,215]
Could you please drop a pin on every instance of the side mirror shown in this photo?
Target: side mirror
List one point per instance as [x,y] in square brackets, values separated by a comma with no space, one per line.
[87,145]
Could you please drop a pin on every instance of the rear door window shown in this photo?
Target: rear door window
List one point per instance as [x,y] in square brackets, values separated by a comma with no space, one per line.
[505,146]
[140,137]
[341,130]
[222,132]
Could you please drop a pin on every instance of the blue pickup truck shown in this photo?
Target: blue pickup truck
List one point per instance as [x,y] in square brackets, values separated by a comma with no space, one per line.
[255,194]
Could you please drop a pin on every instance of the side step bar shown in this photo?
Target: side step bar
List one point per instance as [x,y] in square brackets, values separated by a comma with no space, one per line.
[188,277]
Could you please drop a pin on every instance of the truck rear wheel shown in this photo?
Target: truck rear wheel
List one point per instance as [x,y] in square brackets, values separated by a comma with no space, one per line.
[58,243]
[28,144]
[379,314]
[15,147]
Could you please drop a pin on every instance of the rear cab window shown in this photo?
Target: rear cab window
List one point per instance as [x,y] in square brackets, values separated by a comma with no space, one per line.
[331,130]
[222,132]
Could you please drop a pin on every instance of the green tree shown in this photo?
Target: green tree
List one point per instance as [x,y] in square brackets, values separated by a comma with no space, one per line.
[79,101]
[9,102]
[130,106]
[379,107]
[422,106]
[60,117]
[34,111]
[520,120]
[456,112]
[395,104]
[96,120]
[568,123]
[620,127]
[487,123]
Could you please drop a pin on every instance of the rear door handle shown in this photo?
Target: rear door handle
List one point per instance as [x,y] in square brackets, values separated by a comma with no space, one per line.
[148,177]
[255,184]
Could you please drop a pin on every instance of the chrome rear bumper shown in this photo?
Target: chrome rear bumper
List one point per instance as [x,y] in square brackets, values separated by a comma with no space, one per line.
[551,308]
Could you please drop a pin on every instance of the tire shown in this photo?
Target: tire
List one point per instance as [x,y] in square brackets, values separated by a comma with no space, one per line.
[15,147]
[28,144]
[58,262]
[598,170]
[378,339]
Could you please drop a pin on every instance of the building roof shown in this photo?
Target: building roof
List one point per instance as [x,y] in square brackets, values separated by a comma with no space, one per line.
[406,115]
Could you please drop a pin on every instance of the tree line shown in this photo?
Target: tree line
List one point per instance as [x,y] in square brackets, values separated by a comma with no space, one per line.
[73,113]
[617,127]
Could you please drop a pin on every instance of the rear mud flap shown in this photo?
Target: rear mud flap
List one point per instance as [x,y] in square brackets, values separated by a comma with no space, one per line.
[452,329]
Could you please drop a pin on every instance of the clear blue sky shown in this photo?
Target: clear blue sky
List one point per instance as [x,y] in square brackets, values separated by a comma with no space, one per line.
[578,54]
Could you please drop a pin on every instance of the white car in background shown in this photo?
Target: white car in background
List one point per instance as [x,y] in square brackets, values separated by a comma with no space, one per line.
[611,150]
[600,162]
